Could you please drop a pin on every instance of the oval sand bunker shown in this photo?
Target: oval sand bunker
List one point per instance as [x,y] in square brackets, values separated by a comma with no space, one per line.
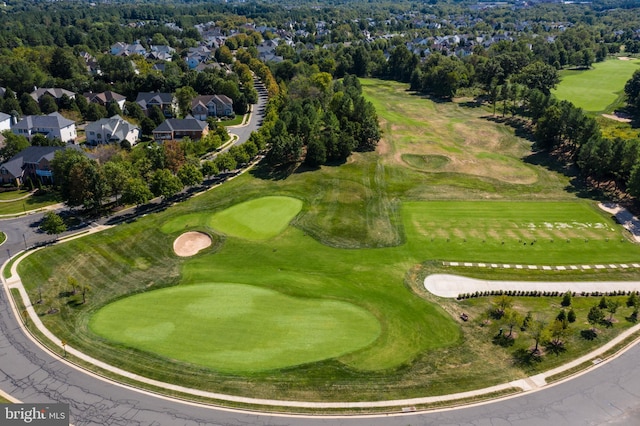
[191,243]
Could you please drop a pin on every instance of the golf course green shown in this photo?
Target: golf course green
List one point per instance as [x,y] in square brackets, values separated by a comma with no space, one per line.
[258,219]
[234,327]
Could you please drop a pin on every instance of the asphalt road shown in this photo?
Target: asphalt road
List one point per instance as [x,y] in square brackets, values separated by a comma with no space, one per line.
[609,394]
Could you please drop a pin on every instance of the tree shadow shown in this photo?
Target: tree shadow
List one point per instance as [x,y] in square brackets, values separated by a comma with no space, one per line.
[266,172]
[589,334]
[555,347]
[526,357]
[503,340]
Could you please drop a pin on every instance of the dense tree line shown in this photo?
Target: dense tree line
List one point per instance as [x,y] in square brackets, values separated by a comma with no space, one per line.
[113,176]
[322,121]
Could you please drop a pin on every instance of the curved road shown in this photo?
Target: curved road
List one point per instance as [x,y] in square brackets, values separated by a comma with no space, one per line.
[609,394]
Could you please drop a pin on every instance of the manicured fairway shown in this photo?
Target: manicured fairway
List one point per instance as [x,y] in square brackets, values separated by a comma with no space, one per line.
[597,88]
[257,219]
[520,232]
[233,327]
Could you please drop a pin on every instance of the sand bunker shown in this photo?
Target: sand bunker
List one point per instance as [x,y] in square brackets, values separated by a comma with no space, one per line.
[617,117]
[191,243]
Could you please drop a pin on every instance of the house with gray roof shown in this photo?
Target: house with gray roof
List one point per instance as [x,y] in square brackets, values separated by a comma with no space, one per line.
[32,163]
[104,98]
[164,101]
[179,128]
[112,130]
[55,92]
[211,106]
[53,126]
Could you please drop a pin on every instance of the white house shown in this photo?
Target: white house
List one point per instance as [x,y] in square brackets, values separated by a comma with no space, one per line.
[5,121]
[109,130]
[53,126]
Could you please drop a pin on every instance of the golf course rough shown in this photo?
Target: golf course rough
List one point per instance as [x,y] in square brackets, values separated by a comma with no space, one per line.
[257,219]
[236,327]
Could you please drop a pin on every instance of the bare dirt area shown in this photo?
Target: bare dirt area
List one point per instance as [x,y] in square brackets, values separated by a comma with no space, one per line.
[191,243]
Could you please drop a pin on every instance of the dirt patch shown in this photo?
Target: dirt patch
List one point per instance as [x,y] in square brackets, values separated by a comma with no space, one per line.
[191,243]
[624,58]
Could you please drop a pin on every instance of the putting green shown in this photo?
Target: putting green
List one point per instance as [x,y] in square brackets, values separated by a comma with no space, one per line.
[257,219]
[236,327]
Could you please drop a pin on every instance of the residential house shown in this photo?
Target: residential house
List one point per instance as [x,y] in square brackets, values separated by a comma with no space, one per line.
[5,121]
[105,97]
[160,53]
[112,130]
[91,63]
[211,106]
[197,55]
[33,163]
[53,126]
[179,128]
[164,101]
[55,92]
[124,49]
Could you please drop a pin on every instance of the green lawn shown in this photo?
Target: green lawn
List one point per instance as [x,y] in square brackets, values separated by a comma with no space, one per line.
[12,195]
[351,243]
[596,89]
[30,203]
[234,327]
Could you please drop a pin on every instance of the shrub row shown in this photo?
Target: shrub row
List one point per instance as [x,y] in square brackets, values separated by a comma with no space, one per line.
[537,293]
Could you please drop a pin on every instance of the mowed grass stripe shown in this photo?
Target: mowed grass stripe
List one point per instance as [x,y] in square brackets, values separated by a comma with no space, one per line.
[597,88]
[515,232]
[236,328]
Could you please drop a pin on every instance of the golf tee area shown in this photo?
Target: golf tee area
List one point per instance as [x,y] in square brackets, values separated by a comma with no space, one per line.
[311,288]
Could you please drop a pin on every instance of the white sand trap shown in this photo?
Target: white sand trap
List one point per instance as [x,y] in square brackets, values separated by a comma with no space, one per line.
[624,218]
[191,243]
[617,117]
[624,58]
